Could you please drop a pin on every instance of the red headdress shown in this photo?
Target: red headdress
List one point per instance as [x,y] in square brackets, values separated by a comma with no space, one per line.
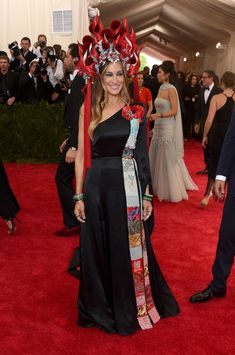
[114,44]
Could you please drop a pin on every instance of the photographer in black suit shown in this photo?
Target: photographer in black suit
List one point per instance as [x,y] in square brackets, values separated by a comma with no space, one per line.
[226,245]
[206,93]
[8,82]
[34,86]
[21,57]
[65,172]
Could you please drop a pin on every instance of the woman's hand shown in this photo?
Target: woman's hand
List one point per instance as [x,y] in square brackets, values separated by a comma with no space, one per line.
[147,209]
[79,211]
[153,117]
[196,128]
[204,141]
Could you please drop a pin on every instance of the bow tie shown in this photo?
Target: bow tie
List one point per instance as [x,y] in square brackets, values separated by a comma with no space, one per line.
[207,88]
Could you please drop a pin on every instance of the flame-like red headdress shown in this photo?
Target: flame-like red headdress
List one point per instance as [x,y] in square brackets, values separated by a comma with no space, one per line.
[114,44]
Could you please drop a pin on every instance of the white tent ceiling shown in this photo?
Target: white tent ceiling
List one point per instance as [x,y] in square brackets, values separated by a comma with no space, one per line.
[174,27]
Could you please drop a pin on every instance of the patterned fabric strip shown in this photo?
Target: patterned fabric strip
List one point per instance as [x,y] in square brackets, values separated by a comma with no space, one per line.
[147,312]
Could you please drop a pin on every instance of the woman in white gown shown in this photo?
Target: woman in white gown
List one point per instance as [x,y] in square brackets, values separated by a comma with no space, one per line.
[170,177]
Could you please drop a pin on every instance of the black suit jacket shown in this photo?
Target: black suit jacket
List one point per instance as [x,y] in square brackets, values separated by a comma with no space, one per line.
[202,107]
[15,64]
[29,57]
[226,166]
[73,104]
[153,85]
[27,91]
[9,82]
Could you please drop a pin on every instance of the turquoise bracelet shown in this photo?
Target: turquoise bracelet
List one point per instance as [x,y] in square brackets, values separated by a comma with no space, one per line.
[148,197]
[78,197]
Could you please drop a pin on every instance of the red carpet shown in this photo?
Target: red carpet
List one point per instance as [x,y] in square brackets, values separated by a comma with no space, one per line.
[38,297]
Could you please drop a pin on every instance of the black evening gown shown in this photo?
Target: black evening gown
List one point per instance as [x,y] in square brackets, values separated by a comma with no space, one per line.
[191,92]
[216,135]
[106,294]
[8,203]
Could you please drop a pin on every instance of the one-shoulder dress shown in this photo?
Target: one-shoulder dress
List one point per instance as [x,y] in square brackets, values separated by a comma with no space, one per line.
[121,287]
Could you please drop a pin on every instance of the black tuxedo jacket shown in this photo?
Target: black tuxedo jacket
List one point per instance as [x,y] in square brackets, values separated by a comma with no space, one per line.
[202,107]
[226,166]
[15,65]
[29,57]
[73,104]
[27,91]
[9,82]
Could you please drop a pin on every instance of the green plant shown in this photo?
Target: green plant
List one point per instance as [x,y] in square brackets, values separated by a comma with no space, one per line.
[31,133]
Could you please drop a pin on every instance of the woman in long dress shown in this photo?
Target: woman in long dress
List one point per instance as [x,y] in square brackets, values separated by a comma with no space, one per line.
[190,95]
[121,286]
[216,125]
[170,177]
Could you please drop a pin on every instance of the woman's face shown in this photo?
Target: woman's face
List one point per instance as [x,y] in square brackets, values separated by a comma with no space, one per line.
[113,79]
[194,80]
[140,78]
[162,76]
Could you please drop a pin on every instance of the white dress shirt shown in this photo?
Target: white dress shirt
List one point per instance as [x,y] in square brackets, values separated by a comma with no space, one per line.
[207,92]
[220,177]
[56,74]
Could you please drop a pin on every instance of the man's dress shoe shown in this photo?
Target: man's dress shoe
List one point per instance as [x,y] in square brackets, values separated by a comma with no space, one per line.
[202,172]
[206,295]
[67,231]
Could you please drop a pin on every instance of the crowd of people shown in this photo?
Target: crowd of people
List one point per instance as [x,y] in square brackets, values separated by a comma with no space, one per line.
[122,287]
[33,75]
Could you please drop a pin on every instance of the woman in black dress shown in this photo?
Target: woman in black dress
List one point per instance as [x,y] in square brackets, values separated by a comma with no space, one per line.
[9,206]
[121,286]
[216,125]
[190,94]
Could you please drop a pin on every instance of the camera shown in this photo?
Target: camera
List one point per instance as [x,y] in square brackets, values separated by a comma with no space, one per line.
[42,44]
[4,96]
[15,48]
[51,55]
[42,67]
[61,86]
[40,70]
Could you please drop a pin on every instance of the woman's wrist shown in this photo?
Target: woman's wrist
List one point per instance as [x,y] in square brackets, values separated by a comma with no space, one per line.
[78,197]
[148,197]
[160,114]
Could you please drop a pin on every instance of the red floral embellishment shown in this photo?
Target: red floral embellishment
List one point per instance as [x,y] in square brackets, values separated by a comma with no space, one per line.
[134,111]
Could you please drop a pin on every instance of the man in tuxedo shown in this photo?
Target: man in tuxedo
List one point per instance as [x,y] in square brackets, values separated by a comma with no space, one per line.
[208,90]
[8,82]
[226,244]
[153,85]
[34,87]
[65,172]
[21,61]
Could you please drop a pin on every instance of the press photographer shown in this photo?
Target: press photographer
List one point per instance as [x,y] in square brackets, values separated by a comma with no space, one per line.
[21,57]
[55,68]
[40,45]
[8,82]
[35,86]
